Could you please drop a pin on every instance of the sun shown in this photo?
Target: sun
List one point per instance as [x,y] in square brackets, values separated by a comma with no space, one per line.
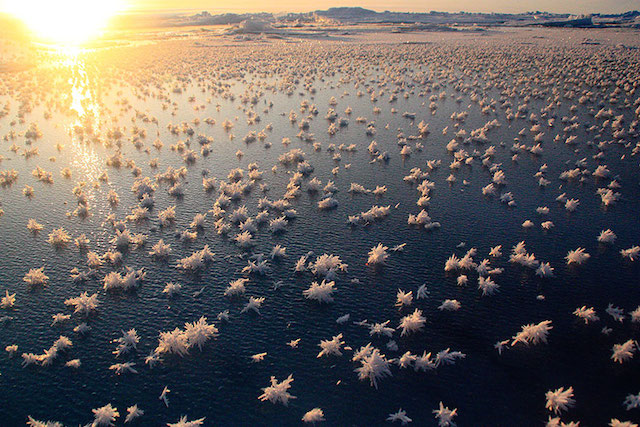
[66,22]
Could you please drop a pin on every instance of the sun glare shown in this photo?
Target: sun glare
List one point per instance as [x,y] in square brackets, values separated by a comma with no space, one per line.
[66,22]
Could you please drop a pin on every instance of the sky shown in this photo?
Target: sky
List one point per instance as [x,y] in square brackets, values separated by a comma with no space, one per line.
[499,6]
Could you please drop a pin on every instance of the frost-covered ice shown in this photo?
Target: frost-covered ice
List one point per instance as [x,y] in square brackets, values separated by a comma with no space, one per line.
[278,392]
[315,415]
[560,400]
[320,292]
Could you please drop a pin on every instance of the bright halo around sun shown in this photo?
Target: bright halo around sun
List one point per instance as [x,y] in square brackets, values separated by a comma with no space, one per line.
[66,22]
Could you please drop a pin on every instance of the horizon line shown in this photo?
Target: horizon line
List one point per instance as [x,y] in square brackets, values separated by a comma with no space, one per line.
[214,11]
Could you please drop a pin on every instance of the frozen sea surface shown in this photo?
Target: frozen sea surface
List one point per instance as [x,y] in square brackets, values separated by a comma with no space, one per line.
[88,94]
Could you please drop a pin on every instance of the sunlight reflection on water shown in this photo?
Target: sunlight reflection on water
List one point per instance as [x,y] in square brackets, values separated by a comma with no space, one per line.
[86,114]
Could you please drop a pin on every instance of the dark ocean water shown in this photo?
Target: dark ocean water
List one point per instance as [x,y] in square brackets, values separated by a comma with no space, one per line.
[221,382]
